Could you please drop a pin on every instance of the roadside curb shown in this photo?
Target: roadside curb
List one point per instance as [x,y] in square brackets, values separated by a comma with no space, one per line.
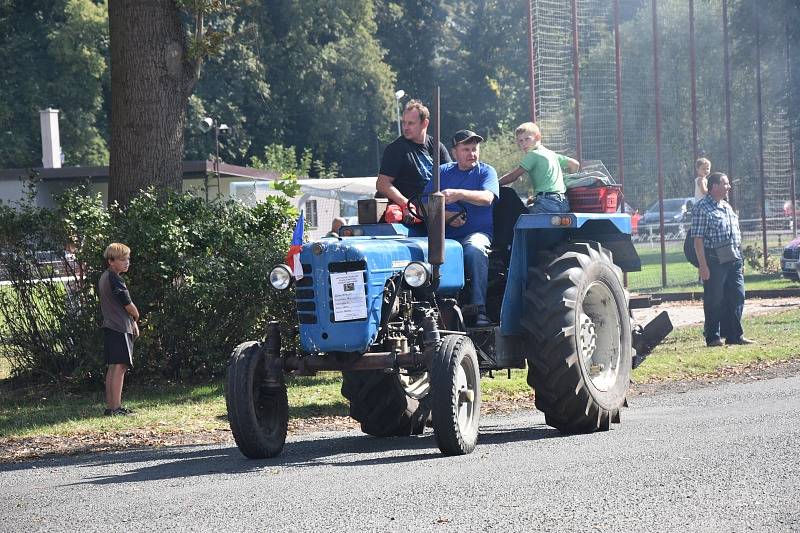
[698,295]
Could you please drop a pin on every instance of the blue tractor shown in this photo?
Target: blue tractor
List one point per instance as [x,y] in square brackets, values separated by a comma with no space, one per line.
[381,303]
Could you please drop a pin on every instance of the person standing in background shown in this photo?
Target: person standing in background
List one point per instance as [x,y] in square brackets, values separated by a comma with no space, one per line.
[717,242]
[702,168]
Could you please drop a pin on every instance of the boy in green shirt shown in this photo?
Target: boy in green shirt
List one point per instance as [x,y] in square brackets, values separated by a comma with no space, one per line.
[544,169]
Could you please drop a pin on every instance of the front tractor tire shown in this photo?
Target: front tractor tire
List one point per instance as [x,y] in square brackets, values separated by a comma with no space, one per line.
[387,404]
[578,325]
[258,410]
[456,395]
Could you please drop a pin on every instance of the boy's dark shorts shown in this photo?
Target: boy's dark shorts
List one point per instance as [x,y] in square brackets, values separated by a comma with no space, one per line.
[117,347]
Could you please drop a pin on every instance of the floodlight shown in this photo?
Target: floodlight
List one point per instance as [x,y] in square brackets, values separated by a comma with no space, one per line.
[206,124]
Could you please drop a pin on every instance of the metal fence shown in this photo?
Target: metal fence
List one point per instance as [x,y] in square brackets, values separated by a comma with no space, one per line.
[648,86]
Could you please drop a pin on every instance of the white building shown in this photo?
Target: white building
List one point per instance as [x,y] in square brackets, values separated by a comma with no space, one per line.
[321,200]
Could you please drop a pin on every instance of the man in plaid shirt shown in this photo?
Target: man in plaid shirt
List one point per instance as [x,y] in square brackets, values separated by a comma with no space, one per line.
[718,241]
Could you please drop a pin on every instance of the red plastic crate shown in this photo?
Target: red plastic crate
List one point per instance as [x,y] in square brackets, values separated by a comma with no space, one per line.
[604,199]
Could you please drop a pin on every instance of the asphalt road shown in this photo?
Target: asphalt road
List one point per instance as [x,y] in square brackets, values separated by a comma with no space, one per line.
[720,458]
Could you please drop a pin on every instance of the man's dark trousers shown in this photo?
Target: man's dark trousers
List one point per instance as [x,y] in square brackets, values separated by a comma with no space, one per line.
[723,300]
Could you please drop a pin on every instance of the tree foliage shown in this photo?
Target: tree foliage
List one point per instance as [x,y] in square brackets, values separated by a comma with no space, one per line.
[328,51]
[54,55]
[290,167]
[322,75]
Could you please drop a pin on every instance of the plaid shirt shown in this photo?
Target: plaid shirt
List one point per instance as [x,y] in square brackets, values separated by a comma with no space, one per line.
[716,223]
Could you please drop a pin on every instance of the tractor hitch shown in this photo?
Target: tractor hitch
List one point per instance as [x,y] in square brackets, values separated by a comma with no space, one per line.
[648,337]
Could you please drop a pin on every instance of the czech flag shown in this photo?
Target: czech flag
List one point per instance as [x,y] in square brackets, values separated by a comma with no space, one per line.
[293,257]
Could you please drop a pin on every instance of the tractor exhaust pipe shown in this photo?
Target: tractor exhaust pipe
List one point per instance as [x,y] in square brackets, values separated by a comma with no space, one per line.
[436,204]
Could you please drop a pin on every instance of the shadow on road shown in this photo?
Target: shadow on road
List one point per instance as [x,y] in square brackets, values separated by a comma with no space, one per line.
[346,451]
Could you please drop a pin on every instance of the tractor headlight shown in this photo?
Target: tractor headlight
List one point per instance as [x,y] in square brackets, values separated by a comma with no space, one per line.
[281,277]
[417,274]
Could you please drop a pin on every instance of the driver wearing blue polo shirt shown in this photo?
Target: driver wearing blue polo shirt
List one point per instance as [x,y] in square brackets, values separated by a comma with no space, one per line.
[470,188]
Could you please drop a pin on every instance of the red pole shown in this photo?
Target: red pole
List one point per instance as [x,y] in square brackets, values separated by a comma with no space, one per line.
[618,68]
[531,61]
[792,191]
[693,69]
[620,133]
[576,80]
[658,148]
[727,66]
[757,21]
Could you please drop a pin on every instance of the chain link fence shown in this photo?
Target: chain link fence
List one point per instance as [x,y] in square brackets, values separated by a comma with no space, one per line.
[649,86]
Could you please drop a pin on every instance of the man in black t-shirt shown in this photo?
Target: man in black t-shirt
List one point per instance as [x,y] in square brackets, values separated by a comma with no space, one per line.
[407,163]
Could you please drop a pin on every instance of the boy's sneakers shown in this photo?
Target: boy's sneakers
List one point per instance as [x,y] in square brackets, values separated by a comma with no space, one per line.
[119,411]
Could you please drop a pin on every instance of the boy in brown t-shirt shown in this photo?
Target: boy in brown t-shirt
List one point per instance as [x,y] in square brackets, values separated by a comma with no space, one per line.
[119,325]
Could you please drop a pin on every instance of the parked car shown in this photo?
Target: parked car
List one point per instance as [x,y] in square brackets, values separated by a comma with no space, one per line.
[675,210]
[790,259]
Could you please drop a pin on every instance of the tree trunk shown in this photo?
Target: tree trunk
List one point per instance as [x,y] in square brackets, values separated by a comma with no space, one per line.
[151,79]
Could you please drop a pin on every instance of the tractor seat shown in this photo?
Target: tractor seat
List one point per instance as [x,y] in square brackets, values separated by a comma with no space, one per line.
[505,212]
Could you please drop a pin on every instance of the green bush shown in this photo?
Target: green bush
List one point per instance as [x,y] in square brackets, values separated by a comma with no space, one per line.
[47,311]
[198,276]
[754,258]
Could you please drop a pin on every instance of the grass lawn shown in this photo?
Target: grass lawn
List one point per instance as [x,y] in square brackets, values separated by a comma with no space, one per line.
[682,276]
[183,408]
[186,409]
[683,354]
[752,282]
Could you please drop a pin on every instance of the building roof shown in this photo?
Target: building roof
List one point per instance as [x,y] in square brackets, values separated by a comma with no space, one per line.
[339,188]
[100,174]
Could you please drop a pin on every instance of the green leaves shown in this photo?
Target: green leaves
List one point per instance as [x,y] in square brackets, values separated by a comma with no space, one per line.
[206,40]
[55,56]
[322,75]
[284,160]
[198,275]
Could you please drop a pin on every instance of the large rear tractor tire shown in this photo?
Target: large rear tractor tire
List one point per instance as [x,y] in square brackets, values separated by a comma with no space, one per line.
[456,395]
[578,326]
[258,411]
[388,404]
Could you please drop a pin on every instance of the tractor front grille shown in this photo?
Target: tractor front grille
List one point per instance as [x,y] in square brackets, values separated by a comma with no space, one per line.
[305,291]
[304,297]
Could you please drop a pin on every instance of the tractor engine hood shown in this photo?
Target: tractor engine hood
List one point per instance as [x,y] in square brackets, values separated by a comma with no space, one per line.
[340,296]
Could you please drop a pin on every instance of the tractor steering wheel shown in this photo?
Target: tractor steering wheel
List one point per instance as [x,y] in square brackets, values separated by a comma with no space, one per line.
[416,207]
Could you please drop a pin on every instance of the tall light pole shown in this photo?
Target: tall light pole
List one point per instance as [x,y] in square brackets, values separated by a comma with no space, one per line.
[399,94]
[206,125]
